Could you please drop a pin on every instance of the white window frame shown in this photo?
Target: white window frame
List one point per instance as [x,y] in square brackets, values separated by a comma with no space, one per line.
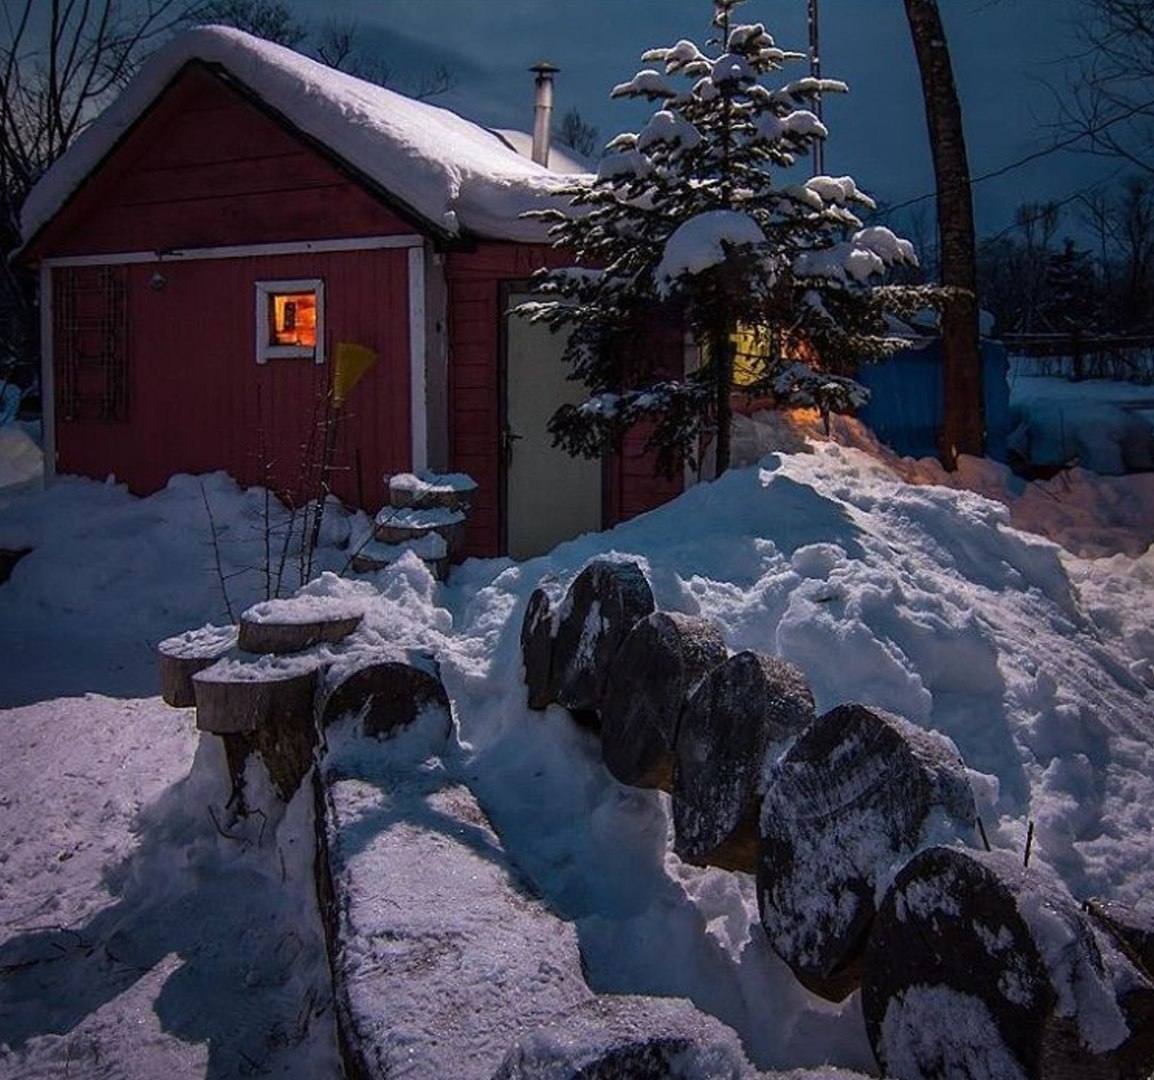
[266,352]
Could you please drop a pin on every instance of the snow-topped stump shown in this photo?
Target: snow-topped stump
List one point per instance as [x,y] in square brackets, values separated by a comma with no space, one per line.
[238,695]
[265,707]
[388,694]
[537,631]
[978,966]
[453,491]
[658,666]
[182,656]
[296,623]
[856,795]
[742,709]
[603,604]
[441,957]
[628,1037]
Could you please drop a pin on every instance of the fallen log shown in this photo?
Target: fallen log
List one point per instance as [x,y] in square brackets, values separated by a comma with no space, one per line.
[182,656]
[604,602]
[388,694]
[741,709]
[658,666]
[1132,930]
[977,966]
[627,1038]
[858,793]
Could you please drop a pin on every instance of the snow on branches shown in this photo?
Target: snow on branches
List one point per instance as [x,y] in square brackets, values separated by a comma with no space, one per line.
[691,220]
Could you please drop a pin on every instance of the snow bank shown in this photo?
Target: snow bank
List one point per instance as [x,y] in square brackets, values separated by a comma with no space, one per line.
[451,172]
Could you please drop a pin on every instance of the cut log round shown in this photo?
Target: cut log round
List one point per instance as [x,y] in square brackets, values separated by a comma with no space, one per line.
[742,708]
[844,808]
[537,648]
[234,696]
[604,602]
[392,694]
[297,622]
[979,967]
[656,669]
[181,657]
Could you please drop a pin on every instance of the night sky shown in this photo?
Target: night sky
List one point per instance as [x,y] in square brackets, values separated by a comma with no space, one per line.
[1012,58]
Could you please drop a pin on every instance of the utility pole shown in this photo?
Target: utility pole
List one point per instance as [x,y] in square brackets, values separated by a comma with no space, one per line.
[815,72]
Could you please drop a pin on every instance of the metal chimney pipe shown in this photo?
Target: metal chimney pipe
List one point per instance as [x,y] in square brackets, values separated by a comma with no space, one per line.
[542,110]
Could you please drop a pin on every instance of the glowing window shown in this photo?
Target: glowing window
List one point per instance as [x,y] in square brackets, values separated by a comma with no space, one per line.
[290,320]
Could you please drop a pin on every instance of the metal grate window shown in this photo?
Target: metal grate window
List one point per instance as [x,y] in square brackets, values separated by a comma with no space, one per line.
[90,323]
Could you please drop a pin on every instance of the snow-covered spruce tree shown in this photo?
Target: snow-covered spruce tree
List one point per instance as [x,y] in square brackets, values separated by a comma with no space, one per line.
[687,220]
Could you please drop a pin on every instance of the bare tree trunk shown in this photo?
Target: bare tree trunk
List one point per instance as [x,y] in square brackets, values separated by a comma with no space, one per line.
[963,421]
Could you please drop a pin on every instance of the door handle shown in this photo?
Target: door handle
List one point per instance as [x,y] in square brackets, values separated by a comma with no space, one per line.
[508,437]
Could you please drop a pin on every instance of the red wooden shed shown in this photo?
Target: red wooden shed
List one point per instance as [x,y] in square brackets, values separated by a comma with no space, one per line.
[240,211]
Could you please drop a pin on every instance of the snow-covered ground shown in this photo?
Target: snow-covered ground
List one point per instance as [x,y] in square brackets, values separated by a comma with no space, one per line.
[143,935]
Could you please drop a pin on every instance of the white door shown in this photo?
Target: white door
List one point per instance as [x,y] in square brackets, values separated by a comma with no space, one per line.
[549,496]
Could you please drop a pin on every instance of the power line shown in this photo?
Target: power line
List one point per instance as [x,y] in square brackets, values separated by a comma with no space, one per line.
[1063,144]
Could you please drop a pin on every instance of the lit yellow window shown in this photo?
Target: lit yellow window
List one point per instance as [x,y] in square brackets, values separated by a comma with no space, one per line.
[293,318]
[290,320]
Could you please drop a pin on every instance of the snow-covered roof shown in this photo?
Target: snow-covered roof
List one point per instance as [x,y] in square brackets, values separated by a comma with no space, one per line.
[456,175]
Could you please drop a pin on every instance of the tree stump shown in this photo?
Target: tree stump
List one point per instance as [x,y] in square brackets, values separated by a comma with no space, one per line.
[604,602]
[263,706]
[290,625]
[399,525]
[537,648]
[627,1038]
[741,709]
[844,808]
[656,669]
[392,694]
[181,657]
[979,967]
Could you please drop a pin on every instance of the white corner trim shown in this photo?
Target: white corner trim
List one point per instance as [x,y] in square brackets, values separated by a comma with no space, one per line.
[418,392]
[266,352]
[241,251]
[47,376]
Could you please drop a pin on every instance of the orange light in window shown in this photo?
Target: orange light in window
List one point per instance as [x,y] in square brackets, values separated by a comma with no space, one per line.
[293,319]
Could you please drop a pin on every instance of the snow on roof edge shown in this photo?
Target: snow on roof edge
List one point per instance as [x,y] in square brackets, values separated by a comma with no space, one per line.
[456,175]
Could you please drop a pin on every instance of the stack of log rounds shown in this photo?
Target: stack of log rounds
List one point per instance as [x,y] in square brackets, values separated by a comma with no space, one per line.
[294,624]
[603,604]
[425,515]
[658,666]
[978,966]
[856,795]
[743,708]
[537,630]
[391,694]
[182,656]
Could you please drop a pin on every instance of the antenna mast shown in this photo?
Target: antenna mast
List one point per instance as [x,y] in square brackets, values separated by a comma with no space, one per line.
[815,71]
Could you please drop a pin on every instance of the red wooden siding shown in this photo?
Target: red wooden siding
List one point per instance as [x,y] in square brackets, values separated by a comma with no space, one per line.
[206,167]
[475,280]
[198,401]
